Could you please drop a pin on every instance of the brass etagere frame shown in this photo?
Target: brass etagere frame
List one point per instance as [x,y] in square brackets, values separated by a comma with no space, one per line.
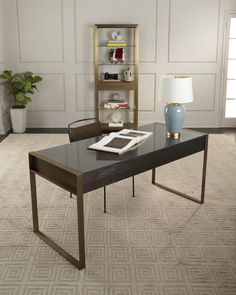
[101,85]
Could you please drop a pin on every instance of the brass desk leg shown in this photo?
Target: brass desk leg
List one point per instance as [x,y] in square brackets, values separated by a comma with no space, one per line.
[201,201]
[80,213]
[34,201]
[133,186]
[80,218]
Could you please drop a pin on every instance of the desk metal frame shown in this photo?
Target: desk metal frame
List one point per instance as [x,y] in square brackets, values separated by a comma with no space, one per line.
[73,181]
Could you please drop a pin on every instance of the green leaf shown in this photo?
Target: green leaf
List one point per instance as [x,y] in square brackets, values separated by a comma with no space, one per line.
[37,79]
[3,76]
[28,99]
[27,86]
[18,85]
[7,75]
[28,74]
[18,77]
[20,96]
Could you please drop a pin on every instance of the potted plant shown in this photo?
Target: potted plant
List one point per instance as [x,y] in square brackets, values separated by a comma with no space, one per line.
[20,85]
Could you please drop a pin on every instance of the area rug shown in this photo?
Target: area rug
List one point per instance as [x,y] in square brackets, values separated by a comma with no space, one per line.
[154,243]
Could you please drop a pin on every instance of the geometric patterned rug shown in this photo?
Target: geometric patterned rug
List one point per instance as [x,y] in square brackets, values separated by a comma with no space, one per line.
[156,243]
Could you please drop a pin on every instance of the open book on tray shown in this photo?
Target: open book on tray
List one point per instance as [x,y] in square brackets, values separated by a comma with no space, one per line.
[120,142]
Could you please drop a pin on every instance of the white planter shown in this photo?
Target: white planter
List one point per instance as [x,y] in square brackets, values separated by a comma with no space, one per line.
[18,119]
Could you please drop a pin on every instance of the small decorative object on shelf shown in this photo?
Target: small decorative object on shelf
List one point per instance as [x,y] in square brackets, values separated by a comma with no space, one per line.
[108,76]
[116,35]
[116,117]
[116,96]
[116,40]
[116,120]
[127,75]
[116,74]
[117,55]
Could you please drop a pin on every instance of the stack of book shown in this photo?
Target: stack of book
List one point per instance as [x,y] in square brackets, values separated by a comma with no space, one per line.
[113,43]
[116,104]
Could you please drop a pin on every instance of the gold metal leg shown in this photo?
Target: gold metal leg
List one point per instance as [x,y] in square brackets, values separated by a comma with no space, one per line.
[34,201]
[201,201]
[80,214]
[80,217]
[204,171]
[104,200]
[133,186]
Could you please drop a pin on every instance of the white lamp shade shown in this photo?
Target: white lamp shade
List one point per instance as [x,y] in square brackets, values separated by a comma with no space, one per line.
[176,89]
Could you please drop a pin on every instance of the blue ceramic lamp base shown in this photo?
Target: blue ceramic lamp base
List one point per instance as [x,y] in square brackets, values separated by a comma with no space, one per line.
[174,117]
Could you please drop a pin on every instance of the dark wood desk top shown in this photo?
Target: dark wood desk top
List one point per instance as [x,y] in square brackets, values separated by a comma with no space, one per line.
[101,168]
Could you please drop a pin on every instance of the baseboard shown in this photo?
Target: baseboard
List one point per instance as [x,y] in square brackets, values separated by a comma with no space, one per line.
[3,136]
[215,130]
[4,131]
[46,130]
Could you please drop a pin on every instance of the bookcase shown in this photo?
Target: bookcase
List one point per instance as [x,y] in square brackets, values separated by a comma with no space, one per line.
[116,75]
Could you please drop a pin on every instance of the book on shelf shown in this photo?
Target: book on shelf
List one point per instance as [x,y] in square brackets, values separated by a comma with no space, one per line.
[111,80]
[119,100]
[116,124]
[116,43]
[116,105]
[120,142]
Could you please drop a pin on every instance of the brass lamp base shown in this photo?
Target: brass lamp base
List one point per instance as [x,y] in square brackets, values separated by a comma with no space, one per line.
[173,135]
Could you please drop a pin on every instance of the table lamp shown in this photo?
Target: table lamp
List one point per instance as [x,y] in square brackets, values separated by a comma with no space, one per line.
[175,90]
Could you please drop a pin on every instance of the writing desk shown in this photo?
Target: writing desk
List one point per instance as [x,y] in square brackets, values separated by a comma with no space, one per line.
[78,170]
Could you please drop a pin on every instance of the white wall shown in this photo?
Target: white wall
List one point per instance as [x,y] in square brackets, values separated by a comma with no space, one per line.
[55,39]
[1,35]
